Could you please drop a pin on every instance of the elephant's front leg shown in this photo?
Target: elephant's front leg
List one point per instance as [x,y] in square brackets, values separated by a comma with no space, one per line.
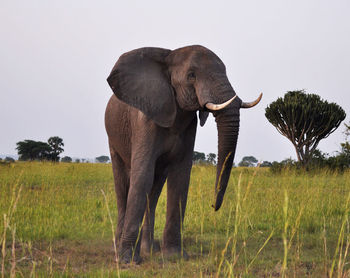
[177,189]
[148,245]
[141,181]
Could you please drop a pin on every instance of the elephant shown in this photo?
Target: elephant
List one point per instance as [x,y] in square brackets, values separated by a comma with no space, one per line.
[151,122]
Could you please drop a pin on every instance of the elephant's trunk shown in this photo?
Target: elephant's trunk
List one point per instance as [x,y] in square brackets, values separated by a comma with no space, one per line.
[228,127]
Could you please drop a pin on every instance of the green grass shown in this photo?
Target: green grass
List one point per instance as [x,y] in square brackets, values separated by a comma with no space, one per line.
[54,222]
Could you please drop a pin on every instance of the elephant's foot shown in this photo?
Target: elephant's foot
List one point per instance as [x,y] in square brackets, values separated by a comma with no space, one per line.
[128,256]
[150,247]
[174,252]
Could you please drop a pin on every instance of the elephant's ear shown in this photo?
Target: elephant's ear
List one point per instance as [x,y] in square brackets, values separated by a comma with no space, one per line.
[203,116]
[139,78]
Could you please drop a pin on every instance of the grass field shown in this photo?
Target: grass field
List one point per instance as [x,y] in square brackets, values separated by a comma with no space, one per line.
[55,223]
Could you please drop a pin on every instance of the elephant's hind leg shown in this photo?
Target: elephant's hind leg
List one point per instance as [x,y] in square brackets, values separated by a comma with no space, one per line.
[141,182]
[121,183]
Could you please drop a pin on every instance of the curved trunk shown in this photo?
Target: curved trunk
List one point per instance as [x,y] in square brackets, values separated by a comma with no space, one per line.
[228,127]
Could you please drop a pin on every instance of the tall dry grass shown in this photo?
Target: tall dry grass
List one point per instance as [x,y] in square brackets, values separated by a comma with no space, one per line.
[56,222]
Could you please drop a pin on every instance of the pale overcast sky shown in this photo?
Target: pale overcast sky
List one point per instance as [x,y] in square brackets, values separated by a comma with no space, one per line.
[55,57]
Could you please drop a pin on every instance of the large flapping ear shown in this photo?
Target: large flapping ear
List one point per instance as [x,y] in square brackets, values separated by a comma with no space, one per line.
[139,78]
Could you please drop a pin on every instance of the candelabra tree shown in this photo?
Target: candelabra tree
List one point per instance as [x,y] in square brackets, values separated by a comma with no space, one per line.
[305,119]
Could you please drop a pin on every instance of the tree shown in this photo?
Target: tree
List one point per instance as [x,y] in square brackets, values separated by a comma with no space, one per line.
[248,161]
[102,159]
[66,159]
[56,144]
[211,158]
[37,150]
[9,159]
[342,160]
[198,157]
[266,164]
[77,160]
[33,150]
[345,147]
[305,120]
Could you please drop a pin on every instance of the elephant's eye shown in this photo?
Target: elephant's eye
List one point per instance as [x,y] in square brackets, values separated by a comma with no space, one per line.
[191,76]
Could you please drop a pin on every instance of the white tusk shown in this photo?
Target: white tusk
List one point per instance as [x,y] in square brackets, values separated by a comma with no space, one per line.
[251,104]
[215,107]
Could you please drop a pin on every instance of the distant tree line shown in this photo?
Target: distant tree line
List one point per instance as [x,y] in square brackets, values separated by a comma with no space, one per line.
[99,159]
[247,161]
[30,150]
[201,158]
[340,161]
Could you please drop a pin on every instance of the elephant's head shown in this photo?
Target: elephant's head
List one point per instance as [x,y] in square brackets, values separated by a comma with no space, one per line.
[157,80]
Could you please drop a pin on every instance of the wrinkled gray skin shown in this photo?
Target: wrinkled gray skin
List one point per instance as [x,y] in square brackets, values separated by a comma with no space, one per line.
[151,125]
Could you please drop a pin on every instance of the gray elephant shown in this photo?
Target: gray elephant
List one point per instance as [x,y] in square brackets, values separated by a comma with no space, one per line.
[151,124]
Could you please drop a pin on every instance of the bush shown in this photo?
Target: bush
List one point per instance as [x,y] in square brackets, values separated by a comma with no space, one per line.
[288,163]
[266,164]
[9,159]
[340,162]
[66,159]
[319,160]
